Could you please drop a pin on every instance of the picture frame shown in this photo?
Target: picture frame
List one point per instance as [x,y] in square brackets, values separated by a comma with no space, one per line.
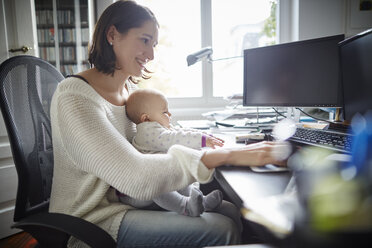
[361,14]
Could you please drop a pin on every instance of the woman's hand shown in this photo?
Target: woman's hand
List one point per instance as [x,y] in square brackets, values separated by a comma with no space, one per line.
[257,154]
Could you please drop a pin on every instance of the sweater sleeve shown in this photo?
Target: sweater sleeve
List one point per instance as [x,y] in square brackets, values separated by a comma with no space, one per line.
[94,145]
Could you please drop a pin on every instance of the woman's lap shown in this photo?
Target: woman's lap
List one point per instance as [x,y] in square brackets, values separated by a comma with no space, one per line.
[147,228]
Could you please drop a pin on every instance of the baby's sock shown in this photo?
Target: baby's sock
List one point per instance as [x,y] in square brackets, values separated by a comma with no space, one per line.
[186,205]
[194,203]
[212,200]
[187,190]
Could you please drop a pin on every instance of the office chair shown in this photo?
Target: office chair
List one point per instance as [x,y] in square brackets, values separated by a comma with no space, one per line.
[27,84]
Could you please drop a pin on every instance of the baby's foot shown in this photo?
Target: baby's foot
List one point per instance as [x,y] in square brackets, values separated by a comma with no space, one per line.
[212,200]
[194,204]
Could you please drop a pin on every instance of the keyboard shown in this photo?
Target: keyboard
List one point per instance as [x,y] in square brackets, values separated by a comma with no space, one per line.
[336,141]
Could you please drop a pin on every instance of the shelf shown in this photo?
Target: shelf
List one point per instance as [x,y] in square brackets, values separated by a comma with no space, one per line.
[64,30]
[69,44]
[73,62]
[82,25]
[47,26]
[68,62]
[44,26]
[46,44]
[71,7]
[62,44]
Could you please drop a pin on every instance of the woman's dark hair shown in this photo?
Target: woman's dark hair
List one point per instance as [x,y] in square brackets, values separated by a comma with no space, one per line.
[124,15]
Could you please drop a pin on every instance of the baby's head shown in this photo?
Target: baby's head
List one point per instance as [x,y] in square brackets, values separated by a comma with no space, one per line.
[148,105]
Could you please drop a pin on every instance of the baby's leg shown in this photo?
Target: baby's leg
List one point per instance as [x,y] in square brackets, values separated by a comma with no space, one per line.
[230,210]
[134,202]
[210,201]
[187,190]
[213,200]
[186,205]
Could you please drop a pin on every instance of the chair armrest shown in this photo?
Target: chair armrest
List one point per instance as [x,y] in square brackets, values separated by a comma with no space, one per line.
[54,230]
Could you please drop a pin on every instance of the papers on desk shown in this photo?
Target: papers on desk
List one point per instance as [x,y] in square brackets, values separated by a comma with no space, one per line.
[241,111]
[197,124]
[248,122]
[276,213]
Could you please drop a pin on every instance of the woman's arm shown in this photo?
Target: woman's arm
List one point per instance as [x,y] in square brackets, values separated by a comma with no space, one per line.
[258,154]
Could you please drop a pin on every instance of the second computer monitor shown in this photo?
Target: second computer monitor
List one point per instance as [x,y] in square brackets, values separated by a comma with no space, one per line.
[356,71]
[296,74]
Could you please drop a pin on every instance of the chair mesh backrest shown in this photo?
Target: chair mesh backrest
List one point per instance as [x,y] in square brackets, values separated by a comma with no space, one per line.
[27,85]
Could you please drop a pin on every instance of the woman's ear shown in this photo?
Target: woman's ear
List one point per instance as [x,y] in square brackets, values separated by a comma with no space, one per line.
[110,36]
[144,118]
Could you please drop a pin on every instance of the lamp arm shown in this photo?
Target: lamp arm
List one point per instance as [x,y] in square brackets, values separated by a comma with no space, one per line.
[205,53]
[234,57]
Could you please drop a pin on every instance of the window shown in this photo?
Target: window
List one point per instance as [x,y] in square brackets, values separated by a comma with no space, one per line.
[179,35]
[236,26]
[186,26]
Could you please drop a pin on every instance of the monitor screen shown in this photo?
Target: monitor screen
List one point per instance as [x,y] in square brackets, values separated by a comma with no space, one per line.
[356,71]
[296,74]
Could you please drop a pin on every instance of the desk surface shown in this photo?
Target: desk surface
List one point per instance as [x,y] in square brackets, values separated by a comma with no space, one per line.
[259,193]
[244,186]
[264,199]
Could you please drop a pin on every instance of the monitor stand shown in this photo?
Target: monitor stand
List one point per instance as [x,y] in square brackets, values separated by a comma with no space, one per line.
[294,114]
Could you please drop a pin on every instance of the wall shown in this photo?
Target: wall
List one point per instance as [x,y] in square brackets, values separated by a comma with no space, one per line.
[357,21]
[101,5]
[318,18]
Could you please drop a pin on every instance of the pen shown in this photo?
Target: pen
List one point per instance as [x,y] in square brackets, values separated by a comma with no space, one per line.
[224,124]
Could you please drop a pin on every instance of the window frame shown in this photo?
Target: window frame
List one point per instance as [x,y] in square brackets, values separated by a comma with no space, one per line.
[207,100]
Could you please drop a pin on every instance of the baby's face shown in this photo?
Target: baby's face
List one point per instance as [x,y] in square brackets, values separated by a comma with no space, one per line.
[159,111]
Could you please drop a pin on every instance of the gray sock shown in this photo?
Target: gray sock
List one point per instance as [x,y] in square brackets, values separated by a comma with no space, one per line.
[194,203]
[186,191]
[212,200]
[176,202]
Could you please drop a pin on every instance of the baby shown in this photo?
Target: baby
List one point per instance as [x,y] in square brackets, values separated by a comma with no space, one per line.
[155,134]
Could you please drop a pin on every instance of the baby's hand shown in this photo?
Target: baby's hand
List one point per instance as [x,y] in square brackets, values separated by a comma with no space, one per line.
[212,141]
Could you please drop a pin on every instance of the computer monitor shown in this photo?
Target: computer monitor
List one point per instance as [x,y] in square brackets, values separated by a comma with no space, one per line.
[296,74]
[356,71]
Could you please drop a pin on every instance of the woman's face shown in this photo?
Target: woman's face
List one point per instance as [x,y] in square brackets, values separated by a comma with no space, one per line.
[135,48]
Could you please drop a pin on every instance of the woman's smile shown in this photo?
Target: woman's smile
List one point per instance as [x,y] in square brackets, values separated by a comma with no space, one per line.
[141,62]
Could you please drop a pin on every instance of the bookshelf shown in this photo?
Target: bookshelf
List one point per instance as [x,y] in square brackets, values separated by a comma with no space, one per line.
[64,28]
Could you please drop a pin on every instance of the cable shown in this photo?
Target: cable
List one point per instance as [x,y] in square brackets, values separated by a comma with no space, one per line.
[276,111]
[319,119]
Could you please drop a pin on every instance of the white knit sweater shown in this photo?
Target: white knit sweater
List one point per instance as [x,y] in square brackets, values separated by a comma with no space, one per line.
[92,151]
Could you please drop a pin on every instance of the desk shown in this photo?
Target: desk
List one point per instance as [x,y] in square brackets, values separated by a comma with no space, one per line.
[243,185]
[251,190]
[260,195]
